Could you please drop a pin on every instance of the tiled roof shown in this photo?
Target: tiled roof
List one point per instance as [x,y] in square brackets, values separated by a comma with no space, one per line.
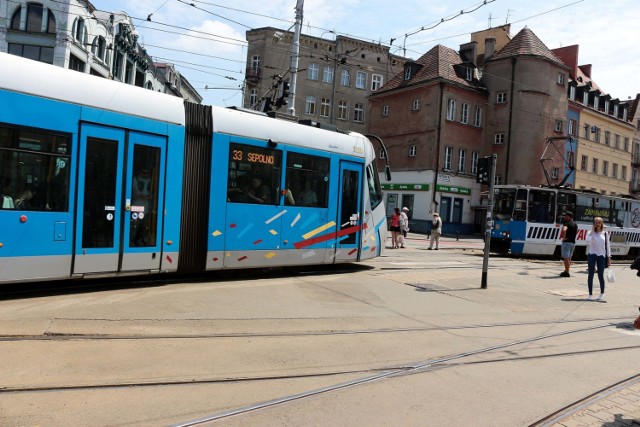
[526,43]
[438,63]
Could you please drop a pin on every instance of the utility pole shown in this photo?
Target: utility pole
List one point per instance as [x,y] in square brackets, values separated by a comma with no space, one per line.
[487,175]
[295,56]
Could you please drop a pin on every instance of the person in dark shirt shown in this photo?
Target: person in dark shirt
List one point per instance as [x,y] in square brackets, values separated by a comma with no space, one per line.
[568,237]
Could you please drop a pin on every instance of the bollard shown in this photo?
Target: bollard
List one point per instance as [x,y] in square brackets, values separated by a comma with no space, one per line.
[457,235]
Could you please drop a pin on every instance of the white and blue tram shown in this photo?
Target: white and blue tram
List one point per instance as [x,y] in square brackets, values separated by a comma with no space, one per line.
[527,220]
[99,178]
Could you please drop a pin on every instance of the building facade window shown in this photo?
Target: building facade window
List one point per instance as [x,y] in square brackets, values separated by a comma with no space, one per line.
[474,162]
[614,170]
[358,112]
[255,63]
[596,102]
[499,138]
[451,109]
[99,48]
[468,74]
[376,82]
[464,113]
[361,79]
[558,126]
[412,151]
[594,166]
[312,72]
[616,139]
[325,107]
[597,133]
[573,127]
[448,157]
[79,30]
[586,131]
[560,79]
[623,175]
[607,137]
[407,73]
[253,97]
[385,110]
[583,163]
[382,154]
[415,105]
[327,74]
[501,97]
[310,105]
[37,53]
[626,144]
[605,168]
[462,160]
[345,78]
[477,121]
[572,93]
[343,110]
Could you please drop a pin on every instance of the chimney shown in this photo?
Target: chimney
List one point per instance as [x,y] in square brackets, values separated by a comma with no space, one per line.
[586,69]
[489,47]
[468,52]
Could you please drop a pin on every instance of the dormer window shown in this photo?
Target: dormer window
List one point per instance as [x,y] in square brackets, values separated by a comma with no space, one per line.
[408,72]
[469,74]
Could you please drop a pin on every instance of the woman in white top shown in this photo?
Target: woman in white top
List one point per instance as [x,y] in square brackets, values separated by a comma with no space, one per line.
[598,253]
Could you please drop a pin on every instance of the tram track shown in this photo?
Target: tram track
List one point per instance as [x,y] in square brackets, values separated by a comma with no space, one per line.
[369,375]
[417,367]
[53,336]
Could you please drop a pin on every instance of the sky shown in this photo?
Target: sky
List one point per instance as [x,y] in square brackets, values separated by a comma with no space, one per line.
[206,39]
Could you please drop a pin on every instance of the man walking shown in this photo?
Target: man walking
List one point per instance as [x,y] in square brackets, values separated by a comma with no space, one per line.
[436,230]
[568,237]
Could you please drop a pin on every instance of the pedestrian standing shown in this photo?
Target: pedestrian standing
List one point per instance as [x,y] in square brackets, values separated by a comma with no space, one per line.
[598,255]
[436,231]
[404,225]
[394,226]
[568,237]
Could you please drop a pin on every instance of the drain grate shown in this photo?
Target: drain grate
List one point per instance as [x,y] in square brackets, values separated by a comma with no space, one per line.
[427,287]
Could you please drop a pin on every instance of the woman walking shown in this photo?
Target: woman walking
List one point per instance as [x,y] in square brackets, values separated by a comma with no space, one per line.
[598,254]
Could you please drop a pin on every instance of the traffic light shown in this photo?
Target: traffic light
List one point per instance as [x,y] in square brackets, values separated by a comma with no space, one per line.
[266,105]
[285,94]
[483,171]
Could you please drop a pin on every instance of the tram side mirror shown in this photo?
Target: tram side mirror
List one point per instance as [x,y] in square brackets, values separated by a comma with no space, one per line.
[387,172]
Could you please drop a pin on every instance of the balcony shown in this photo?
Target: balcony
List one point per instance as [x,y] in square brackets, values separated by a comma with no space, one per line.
[253,74]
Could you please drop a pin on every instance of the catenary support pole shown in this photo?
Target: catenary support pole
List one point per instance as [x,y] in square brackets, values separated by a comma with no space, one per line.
[489,222]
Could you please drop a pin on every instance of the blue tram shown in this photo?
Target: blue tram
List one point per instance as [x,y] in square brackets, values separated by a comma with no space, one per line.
[99,178]
[527,220]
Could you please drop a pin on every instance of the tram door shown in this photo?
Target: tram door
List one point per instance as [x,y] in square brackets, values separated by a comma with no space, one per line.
[120,195]
[349,212]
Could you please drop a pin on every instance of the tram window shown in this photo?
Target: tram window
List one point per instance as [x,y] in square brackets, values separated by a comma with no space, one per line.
[307,178]
[373,182]
[520,210]
[566,202]
[542,206]
[504,202]
[254,174]
[34,169]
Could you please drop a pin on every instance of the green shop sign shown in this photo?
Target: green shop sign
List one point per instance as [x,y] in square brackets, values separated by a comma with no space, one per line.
[451,189]
[405,187]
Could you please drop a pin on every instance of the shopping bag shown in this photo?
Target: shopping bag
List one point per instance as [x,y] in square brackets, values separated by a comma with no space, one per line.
[611,276]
